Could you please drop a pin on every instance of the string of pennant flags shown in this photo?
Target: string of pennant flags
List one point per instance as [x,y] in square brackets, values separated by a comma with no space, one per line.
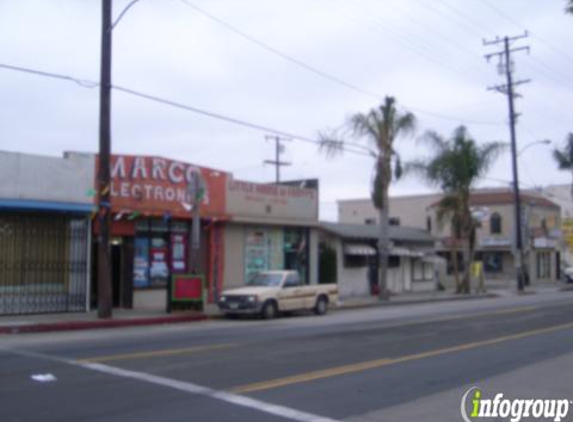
[132,215]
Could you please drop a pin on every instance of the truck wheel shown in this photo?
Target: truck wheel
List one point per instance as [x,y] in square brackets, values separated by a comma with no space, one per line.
[270,310]
[321,306]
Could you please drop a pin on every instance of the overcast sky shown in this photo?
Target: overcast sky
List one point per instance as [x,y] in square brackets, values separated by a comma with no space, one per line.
[426,53]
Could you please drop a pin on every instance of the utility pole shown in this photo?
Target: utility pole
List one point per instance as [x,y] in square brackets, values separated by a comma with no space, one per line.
[506,67]
[279,149]
[104,294]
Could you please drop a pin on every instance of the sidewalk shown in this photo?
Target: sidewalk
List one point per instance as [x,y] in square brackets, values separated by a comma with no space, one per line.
[408,299]
[443,296]
[16,324]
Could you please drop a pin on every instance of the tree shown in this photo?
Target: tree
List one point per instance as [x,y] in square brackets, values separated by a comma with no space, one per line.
[569,7]
[455,165]
[379,127]
[564,157]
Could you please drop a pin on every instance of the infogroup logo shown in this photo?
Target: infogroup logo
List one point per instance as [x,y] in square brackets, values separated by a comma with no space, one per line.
[474,406]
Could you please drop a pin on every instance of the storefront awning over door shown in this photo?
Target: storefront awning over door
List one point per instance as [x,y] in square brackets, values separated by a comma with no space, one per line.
[405,252]
[359,249]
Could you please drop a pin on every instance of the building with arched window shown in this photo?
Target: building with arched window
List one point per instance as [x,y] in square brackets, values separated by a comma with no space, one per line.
[495,224]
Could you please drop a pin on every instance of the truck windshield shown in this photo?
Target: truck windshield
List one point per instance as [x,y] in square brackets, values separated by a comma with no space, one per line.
[266,280]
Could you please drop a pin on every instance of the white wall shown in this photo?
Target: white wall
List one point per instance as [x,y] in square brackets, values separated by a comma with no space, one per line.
[351,282]
[233,272]
[43,178]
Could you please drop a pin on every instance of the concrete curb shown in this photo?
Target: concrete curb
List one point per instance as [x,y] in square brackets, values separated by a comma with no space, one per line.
[98,324]
[415,301]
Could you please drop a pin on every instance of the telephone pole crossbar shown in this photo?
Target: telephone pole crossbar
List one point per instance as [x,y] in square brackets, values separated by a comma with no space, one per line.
[508,89]
[278,151]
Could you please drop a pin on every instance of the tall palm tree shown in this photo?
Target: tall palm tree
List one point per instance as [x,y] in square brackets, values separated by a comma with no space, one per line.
[380,127]
[455,165]
[564,157]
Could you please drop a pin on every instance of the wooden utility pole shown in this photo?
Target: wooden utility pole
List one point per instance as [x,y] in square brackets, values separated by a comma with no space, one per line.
[506,67]
[104,293]
[278,151]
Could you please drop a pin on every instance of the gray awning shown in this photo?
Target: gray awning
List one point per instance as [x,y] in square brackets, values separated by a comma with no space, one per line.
[434,259]
[359,249]
[405,252]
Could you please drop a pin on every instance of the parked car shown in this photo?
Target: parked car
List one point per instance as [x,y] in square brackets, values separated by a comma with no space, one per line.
[272,292]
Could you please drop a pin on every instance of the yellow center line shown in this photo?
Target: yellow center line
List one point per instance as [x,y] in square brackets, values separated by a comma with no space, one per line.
[378,363]
[155,353]
[463,316]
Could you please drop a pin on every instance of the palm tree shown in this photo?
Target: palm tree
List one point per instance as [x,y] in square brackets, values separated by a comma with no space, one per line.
[569,8]
[455,166]
[380,127]
[564,157]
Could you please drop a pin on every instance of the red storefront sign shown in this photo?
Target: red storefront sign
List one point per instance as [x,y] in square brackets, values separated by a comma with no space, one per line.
[155,186]
[187,288]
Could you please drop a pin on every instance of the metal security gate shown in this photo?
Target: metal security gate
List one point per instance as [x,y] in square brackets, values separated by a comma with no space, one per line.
[43,263]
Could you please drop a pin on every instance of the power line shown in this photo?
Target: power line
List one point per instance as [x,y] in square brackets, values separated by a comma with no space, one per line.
[521,27]
[319,72]
[84,83]
[349,147]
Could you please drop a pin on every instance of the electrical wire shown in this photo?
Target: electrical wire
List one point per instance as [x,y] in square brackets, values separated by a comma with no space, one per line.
[350,147]
[319,72]
[521,27]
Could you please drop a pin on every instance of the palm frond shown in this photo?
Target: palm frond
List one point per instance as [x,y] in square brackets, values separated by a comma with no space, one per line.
[434,140]
[562,160]
[488,153]
[330,143]
[364,125]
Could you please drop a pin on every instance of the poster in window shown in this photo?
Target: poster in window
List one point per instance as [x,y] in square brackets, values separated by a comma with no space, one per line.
[256,253]
[178,253]
[158,271]
[141,263]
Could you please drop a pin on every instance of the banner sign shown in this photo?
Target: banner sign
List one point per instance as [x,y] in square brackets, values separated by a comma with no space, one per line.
[155,185]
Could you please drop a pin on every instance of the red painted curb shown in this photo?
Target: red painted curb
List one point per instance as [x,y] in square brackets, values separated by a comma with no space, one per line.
[92,325]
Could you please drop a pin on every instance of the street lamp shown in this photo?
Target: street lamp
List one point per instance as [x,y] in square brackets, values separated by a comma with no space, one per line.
[541,142]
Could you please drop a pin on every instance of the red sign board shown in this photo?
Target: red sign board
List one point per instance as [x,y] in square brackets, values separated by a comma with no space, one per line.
[188,288]
[154,186]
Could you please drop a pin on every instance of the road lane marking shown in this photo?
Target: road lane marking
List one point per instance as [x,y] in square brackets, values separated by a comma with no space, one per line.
[155,353]
[379,363]
[188,387]
[462,317]
[261,406]
[311,376]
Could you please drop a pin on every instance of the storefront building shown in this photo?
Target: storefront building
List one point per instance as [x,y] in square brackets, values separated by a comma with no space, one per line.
[270,227]
[44,233]
[170,220]
[412,264]
[152,202]
[495,238]
[242,228]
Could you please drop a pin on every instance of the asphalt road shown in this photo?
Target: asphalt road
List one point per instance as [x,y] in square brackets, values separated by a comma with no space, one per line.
[360,365]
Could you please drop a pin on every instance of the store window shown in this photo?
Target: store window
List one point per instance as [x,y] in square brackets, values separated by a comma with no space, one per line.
[422,271]
[160,249]
[495,224]
[543,264]
[276,249]
[492,262]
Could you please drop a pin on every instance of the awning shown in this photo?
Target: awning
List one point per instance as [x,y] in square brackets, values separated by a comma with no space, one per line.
[434,259]
[405,252]
[359,249]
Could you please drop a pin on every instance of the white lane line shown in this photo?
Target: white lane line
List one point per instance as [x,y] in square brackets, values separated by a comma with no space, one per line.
[236,399]
[273,409]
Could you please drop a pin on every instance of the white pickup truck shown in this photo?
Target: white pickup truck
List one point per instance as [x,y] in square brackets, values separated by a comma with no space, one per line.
[272,292]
